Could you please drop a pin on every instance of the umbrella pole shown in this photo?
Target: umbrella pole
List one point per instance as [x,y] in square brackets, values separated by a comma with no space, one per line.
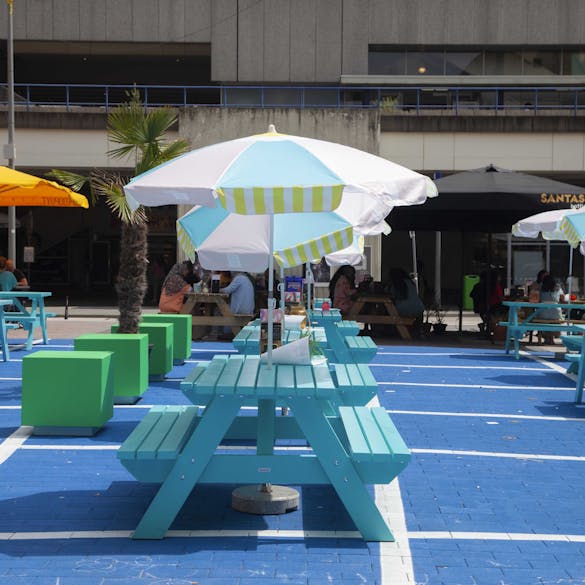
[270,290]
[281,290]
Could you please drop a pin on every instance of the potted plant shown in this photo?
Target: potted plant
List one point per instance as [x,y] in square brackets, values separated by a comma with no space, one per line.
[439,325]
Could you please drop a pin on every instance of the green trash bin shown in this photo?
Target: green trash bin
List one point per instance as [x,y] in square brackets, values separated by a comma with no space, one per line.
[469,281]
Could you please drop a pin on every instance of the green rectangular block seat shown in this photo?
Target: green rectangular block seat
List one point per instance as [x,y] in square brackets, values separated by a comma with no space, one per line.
[67,392]
[130,360]
[152,448]
[160,336]
[182,330]
[374,443]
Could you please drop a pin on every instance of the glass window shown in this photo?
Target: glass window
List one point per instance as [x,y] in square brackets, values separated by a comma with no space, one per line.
[386,63]
[425,63]
[464,63]
[503,63]
[574,63]
[541,63]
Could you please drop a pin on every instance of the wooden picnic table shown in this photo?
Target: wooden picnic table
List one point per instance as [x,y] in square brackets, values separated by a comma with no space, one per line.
[381,311]
[203,308]
[351,445]
[30,317]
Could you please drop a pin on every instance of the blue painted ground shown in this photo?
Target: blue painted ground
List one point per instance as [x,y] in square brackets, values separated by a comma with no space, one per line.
[50,486]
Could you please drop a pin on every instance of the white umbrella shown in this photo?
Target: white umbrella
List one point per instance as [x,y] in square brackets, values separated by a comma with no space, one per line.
[548,225]
[274,173]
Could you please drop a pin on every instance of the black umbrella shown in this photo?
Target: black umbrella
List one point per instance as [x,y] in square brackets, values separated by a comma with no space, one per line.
[488,199]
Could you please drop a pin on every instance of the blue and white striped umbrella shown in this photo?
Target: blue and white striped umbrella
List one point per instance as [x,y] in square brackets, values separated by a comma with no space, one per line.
[276,173]
[229,241]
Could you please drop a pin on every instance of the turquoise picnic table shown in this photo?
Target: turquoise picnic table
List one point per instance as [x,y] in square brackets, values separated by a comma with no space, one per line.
[31,314]
[517,327]
[351,446]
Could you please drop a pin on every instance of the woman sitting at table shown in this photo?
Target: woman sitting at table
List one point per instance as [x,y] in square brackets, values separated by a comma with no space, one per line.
[178,282]
[342,289]
[550,292]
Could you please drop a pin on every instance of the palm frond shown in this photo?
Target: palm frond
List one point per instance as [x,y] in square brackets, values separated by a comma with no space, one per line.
[111,187]
[74,181]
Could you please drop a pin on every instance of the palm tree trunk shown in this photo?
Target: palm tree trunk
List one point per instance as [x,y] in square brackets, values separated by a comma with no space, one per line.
[131,283]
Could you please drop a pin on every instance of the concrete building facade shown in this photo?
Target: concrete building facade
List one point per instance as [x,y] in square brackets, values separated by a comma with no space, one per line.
[437,85]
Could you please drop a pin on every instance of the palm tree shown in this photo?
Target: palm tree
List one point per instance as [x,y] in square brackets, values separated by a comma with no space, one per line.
[140,135]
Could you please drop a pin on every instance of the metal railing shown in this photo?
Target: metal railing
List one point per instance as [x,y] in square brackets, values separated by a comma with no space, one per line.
[567,100]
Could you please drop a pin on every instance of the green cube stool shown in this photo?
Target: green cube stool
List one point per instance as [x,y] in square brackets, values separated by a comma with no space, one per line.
[160,337]
[130,359]
[183,324]
[67,392]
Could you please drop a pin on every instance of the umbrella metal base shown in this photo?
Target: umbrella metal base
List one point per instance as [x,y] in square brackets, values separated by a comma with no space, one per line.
[265,499]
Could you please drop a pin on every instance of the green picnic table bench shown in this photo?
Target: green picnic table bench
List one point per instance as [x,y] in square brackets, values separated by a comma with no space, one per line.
[177,446]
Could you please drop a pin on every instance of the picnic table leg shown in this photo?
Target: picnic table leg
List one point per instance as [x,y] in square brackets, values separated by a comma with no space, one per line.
[580,375]
[340,470]
[191,463]
[3,338]
[265,431]
[43,318]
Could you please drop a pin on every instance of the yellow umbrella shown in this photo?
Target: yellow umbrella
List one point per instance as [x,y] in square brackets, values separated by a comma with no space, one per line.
[20,189]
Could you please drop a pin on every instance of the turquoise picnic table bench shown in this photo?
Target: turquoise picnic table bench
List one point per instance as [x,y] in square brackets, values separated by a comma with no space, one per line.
[30,317]
[575,345]
[351,446]
[517,328]
[342,337]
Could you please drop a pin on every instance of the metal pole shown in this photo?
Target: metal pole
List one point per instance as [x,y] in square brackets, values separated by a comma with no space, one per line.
[509,264]
[414,264]
[10,151]
[438,269]
[270,292]
[547,255]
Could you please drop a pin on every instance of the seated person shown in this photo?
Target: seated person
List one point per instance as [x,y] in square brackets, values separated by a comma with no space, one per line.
[241,291]
[7,279]
[404,294]
[21,279]
[487,297]
[534,288]
[178,282]
[342,291]
[550,292]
